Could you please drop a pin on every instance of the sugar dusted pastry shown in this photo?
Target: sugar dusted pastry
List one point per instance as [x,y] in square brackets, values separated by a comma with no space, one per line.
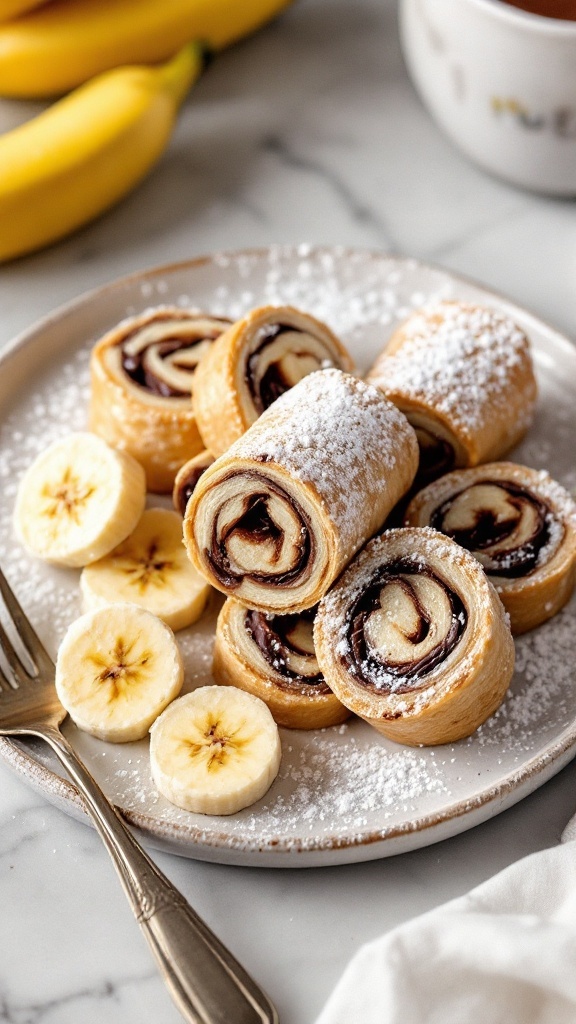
[463,376]
[272,656]
[520,525]
[186,479]
[413,638]
[274,521]
[254,362]
[142,376]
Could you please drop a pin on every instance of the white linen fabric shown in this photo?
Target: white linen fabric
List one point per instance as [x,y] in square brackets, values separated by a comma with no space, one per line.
[569,832]
[503,954]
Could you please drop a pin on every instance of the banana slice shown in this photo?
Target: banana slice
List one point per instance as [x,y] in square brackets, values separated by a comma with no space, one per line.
[215,750]
[117,669]
[78,500]
[151,569]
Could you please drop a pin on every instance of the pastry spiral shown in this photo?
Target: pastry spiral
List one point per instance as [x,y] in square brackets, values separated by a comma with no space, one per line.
[520,525]
[463,376]
[186,479]
[254,362]
[274,520]
[272,656]
[413,638]
[142,376]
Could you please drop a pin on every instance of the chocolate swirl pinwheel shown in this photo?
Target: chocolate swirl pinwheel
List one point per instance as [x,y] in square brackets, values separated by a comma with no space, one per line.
[413,638]
[274,520]
[520,525]
[463,376]
[272,656]
[254,362]
[142,377]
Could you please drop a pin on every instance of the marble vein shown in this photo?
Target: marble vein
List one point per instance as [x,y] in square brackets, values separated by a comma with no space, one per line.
[359,211]
[25,835]
[474,233]
[103,994]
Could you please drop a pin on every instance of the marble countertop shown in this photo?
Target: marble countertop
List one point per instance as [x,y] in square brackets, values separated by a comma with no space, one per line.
[310,131]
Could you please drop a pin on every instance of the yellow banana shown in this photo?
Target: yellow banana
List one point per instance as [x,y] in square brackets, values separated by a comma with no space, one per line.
[13,8]
[65,43]
[80,156]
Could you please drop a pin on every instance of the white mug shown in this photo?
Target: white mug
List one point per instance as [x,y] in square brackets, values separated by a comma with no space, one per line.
[501,83]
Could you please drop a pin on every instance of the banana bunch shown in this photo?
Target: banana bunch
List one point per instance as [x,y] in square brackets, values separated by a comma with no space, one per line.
[12,8]
[83,154]
[64,43]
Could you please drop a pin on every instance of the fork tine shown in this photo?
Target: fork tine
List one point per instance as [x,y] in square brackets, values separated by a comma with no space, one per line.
[5,683]
[27,634]
[19,672]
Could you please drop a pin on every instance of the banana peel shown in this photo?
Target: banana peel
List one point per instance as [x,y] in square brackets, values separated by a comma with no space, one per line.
[65,43]
[84,153]
[14,8]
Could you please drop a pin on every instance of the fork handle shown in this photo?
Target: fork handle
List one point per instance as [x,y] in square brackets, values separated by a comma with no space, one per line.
[205,981]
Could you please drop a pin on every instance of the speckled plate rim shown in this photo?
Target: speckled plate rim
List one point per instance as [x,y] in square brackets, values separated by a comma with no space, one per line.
[191,841]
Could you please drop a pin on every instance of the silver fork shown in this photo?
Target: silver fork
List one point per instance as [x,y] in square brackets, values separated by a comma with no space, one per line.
[206,982]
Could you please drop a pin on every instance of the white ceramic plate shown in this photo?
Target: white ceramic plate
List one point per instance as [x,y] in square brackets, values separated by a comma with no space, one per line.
[343,794]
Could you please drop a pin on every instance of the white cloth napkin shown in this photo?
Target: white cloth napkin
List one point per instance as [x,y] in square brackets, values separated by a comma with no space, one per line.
[503,954]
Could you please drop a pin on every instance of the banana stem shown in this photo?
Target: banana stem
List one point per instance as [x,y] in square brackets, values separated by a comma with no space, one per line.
[179,73]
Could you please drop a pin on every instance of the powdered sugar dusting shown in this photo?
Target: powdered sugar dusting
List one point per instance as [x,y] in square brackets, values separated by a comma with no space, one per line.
[559,498]
[339,785]
[545,664]
[398,777]
[460,360]
[555,536]
[345,431]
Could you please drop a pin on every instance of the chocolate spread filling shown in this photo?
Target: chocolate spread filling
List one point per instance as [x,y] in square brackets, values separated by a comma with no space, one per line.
[437,457]
[273,383]
[256,524]
[134,366]
[374,672]
[273,636]
[187,487]
[511,562]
